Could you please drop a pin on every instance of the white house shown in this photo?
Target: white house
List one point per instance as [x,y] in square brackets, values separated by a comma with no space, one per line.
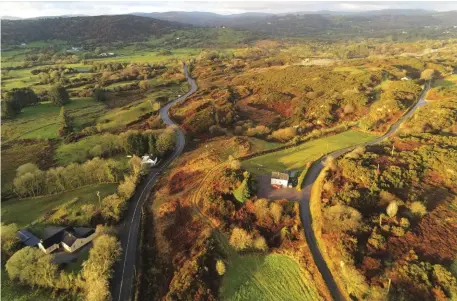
[405,78]
[147,160]
[279,180]
[71,239]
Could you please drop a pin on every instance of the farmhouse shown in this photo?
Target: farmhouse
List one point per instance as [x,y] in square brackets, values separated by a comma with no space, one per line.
[147,160]
[71,239]
[279,180]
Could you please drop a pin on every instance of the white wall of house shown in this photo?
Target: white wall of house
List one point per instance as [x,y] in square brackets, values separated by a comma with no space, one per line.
[279,182]
[49,249]
[80,242]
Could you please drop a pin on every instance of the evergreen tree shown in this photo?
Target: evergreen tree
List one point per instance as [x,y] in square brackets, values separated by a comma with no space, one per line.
[243,193]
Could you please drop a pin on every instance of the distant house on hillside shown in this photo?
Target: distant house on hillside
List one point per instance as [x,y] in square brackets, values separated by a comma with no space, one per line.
[71,239]
[279,180]
[405,78]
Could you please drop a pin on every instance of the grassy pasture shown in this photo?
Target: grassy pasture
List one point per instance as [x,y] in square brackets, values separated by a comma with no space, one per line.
[41,121]
[25,211]
[270,277]
[297,157]
[449,81]
[128,54]
[18,154]
[120,117]
[352,70]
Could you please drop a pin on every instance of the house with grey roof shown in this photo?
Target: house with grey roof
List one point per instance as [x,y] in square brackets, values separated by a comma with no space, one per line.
[27,238]
[69,238]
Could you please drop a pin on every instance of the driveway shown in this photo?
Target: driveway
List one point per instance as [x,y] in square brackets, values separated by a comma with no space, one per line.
[264,190]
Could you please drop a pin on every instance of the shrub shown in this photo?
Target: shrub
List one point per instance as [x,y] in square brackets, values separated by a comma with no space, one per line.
[26,168]
[9,241]
[240,239]
[260,243]
[276,212]
[32,266]
[220,267]
[392,209]
[285,134]
[418,209]
[342,218]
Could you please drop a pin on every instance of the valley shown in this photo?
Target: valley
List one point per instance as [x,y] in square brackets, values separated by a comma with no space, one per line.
[217,158]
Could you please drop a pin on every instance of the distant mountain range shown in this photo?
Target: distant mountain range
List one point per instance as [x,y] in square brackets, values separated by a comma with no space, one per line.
[304,24]
[325,24]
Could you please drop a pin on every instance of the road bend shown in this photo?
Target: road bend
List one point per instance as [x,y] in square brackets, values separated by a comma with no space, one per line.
[311,176]
[125,271]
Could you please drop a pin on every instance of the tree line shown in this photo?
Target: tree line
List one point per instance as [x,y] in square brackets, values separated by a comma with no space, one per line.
[30,181]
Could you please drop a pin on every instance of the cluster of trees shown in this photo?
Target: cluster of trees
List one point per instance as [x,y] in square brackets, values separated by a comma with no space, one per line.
[58,95]
[13,101]
[148,142]
[65,123]
[10,241]
[53,75]
[32,266]
[30,181]
[113,206]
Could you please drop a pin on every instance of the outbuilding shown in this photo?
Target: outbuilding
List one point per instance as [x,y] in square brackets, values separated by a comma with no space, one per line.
[279,179]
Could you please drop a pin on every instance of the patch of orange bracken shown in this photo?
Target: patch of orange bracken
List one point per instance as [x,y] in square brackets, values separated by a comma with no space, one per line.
[402,145]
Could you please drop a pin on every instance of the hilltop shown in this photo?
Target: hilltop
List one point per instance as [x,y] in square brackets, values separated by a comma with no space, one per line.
[101,29]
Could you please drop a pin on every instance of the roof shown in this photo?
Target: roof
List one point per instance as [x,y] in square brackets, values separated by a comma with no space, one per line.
[28,238]
[67,235]
[279,175]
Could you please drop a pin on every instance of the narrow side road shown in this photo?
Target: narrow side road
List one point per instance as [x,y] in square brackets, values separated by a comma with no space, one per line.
[125,272]
[305,210]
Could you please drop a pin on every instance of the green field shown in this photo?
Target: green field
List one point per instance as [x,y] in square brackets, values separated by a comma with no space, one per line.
[352,70]
[42,121]
[25,211]
[270,277]
[449,81]
[14,291]
[297,157]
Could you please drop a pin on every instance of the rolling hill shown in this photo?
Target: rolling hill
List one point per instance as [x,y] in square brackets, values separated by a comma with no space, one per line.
[101,29]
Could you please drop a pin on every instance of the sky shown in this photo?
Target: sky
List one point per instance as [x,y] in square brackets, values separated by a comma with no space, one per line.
[31,9]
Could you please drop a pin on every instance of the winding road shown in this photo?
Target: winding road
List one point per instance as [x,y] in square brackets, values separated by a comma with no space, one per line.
[125,272]
[311,176]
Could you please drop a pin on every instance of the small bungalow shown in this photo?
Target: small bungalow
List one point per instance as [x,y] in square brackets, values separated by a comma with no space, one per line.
[279,180]
[71,239]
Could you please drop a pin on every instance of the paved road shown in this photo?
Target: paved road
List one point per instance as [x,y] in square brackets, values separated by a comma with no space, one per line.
[125,271]
[305,213]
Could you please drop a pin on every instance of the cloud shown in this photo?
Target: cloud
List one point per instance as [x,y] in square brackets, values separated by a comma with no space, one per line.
[36,9]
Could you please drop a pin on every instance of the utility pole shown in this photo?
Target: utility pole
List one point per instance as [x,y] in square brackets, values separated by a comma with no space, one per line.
[392,152]
[99,202]
[388,285]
